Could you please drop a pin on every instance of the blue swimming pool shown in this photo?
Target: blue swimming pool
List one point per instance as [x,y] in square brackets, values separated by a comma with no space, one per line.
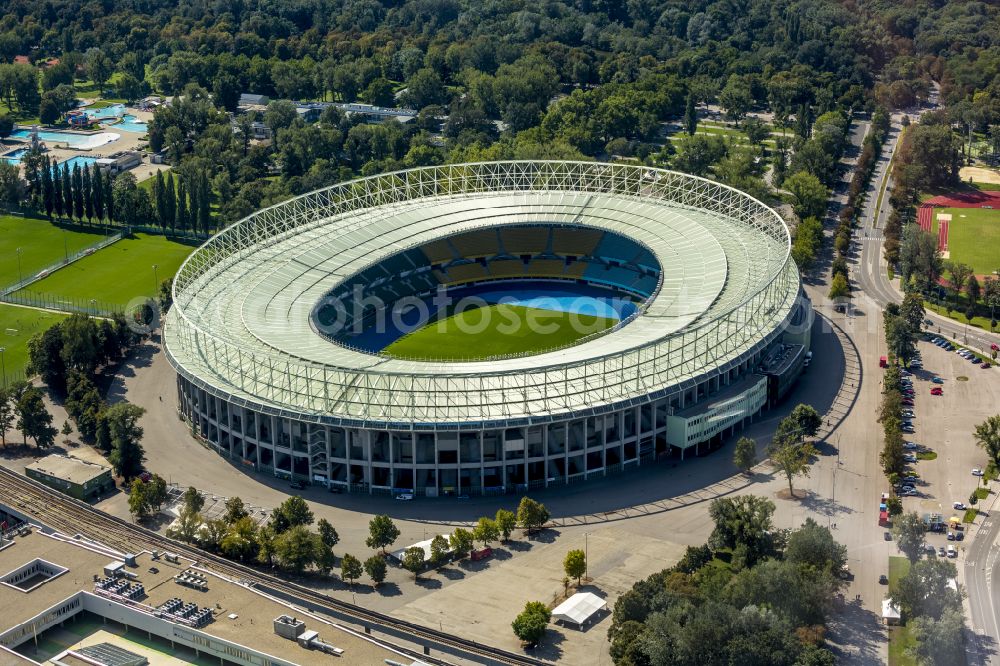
[82,141]
[14,156]
[130,123]
[78,161]
[107,113]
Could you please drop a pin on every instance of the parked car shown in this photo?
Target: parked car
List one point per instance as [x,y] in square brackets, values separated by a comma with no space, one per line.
[959,536]
[909,480]
[910,457]
[937,391]
[952,552]
[958,505]
[929,548]
[985,366]
[951,535]
[976,471]
[910,446]
[883,580]
[912,492]
[941,551]
[404,497]
[938,380]
[887,536]
[297,485]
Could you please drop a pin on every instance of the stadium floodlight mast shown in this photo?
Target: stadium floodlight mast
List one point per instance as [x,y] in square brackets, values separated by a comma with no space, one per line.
[156,282]
[20,277]
[3,366]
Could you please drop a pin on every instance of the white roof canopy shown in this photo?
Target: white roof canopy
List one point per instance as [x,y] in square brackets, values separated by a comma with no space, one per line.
[423,545]
[889,611]
[579,608]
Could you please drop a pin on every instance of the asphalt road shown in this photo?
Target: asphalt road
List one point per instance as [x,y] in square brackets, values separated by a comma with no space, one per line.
[982,557]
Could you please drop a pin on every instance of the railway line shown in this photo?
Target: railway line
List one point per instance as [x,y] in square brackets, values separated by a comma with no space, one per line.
[71,517]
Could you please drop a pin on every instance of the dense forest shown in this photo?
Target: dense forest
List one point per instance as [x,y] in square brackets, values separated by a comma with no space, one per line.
[493,80]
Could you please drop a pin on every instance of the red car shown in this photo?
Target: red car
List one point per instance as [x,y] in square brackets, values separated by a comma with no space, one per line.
[937,390]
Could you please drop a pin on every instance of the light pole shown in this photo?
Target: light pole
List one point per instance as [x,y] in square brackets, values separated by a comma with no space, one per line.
[20,277]
[65,248]
[156,282]
[586,554]
[3,367]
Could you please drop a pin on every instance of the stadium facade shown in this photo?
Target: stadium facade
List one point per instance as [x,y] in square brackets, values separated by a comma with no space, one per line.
[719,332]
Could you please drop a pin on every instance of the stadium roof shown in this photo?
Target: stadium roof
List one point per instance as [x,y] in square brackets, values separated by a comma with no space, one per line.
[241,321]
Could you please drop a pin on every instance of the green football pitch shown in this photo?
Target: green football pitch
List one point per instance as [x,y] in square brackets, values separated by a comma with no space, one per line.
[118,273]
[496,330]
[42,244]
[17,325]
[974,237]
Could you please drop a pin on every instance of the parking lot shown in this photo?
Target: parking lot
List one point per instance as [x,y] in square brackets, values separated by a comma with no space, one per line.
[950,396]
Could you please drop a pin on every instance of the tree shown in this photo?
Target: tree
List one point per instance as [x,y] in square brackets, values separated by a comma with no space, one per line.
[804,421]
[127,454]
[375,568]
[413,560]
[912,310]
[486,531]
[48,112]
[813,545]
[810,194]
[894,505]
[66,431]
[690,115]
[293,512]
[575,565]
[351,569]
[505,521]
[33,419]
[745,455]
[296,548]
[838,287]
[240,540]
[382,532]
[461,541]
[531,515]
[960,274]
[908,530]
[7,413]
[327,533]
[757,132]
[735,98]
[156,492]
[439,550]
[138,504]
[99,67]
[211,534]
[742,524]
[531,623]
[926,589]
[987,435]
[940,642]
[187,525]
[192,499]
[235,509]
[792,458]
[130,204]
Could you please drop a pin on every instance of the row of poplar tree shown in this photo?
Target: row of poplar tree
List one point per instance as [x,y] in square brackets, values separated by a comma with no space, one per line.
[86,193]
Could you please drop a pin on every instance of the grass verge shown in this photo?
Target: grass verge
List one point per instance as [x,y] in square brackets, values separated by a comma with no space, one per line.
[41,243]
[900,638]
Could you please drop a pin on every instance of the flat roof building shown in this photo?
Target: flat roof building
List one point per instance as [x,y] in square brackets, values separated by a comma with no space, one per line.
[77,478]
[58,602]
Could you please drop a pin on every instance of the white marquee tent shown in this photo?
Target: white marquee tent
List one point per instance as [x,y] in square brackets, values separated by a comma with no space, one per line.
[579,608]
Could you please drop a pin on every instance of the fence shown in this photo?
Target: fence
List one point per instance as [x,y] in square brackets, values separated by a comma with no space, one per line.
[65,261]
[45,301]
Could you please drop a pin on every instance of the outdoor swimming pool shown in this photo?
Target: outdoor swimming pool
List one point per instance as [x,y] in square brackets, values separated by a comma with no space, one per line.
[130,123]
[14,156]
[107,113]
[79,141]
[78,161]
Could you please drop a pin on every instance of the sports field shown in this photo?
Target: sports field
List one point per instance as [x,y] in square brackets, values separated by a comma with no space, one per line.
[497,330]
[974,237]
[119,272]
[17,325]
[42,244]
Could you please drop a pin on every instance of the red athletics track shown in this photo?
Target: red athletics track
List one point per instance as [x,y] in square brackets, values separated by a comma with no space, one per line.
[973,199]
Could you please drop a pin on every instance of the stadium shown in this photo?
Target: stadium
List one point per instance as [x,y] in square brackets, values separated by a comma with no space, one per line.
[329,338]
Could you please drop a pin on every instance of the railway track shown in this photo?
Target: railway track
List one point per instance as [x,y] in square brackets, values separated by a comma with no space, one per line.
[70,516]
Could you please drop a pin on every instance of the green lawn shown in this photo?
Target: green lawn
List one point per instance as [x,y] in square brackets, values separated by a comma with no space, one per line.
[900,638]
[41,243]
[118,273]
[496,330]
[17,325]
[974,237]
